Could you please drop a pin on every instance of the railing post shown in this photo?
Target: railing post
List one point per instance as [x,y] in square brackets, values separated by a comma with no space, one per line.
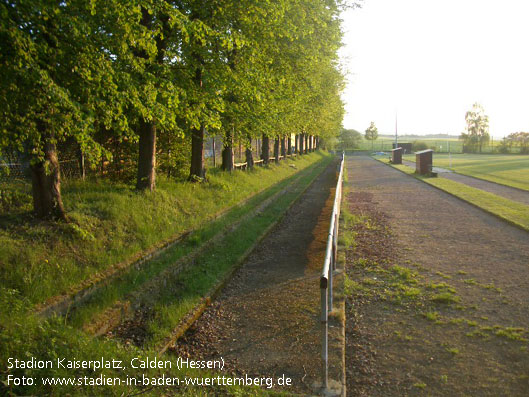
[325,332]
[326,280]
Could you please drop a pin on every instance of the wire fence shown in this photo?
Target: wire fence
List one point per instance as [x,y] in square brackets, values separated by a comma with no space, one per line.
[440,146]
[20,172]
[326,278]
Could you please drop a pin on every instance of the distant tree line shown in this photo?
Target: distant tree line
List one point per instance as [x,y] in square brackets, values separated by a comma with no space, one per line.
[518,140]
[139,85]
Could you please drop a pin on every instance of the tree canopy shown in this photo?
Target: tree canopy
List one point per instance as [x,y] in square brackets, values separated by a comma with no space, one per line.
[109,79]
[477,129]
[349,139]
[371,133]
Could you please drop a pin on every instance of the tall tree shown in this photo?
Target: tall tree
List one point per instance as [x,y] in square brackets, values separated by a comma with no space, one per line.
[371,134]
[58,83]
[477,129]
[349,139]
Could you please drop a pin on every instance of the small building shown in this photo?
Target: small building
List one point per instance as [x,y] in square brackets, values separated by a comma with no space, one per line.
[396,155]
[423,162]
[406,147]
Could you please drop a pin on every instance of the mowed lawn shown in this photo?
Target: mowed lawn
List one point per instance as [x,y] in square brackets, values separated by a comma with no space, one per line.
[507,169]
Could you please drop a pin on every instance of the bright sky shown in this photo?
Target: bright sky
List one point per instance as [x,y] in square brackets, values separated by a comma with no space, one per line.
[429,61]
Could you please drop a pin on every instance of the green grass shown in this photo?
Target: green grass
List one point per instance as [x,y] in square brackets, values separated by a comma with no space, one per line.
[505,169]
[439,145]
[112,224]
[24,336]
[134,278]
[511,211]
[213,266]
[385,143]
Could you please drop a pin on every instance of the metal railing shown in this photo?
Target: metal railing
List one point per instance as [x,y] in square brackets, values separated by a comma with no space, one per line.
[326,279]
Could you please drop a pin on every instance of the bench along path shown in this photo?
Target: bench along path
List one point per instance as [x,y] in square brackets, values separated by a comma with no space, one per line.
[415,344]
[508,192]
[266,321]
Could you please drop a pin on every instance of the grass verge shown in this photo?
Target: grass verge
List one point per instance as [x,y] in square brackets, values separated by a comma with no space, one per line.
[212,267]
[117,293]
[513,212]
[24,336]
[27,337]
[112,223]
[504,169]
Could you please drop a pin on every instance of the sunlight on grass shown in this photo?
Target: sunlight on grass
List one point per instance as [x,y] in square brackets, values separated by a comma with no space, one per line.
[113,223]
[511,211]
[506,169]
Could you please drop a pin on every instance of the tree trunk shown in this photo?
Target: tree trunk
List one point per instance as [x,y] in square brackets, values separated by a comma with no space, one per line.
[227,153]
[249,158]
[82,167]
[265,150]
[214,152]
[283,147]
[197,172]
[147,158]
[301,144]
[227,158]
[276,150]
[46,186]
[289,145]
[296,143]
[306,143]
[248,153]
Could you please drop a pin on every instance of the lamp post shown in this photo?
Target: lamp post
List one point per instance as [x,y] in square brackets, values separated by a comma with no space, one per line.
[396,135]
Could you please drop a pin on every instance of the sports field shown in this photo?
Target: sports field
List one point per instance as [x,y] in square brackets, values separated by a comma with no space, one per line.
[440,145]
[506,169]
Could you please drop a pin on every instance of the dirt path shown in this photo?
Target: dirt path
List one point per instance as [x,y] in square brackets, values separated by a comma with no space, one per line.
[439,292]
[265,323]
[495,188]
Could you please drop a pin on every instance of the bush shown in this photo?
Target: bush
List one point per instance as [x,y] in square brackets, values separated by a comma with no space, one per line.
[417,146]
[13,199]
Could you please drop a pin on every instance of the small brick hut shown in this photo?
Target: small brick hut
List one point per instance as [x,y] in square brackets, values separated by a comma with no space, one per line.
[423,162]
[396,156]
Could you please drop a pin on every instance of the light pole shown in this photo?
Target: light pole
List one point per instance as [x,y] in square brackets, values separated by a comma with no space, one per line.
[396,135]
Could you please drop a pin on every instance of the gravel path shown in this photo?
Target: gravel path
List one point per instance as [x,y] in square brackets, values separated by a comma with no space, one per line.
[265,322]
[495,188]
[483,258]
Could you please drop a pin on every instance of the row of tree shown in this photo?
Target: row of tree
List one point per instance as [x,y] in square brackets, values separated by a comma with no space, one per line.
[515,140]
[145,82]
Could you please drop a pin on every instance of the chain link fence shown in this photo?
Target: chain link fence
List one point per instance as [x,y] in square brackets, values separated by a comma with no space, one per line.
[20,172]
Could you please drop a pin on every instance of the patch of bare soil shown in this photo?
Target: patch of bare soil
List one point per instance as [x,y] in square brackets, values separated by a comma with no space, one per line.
[265,323]
[437,292]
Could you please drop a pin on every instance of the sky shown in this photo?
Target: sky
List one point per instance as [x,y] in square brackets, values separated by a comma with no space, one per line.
[428,61]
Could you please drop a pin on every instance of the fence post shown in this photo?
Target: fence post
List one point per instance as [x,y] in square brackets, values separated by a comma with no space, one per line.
[325,332]
[326,279]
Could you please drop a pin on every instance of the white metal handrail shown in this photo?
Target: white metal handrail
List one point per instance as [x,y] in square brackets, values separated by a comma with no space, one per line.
[329,265]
